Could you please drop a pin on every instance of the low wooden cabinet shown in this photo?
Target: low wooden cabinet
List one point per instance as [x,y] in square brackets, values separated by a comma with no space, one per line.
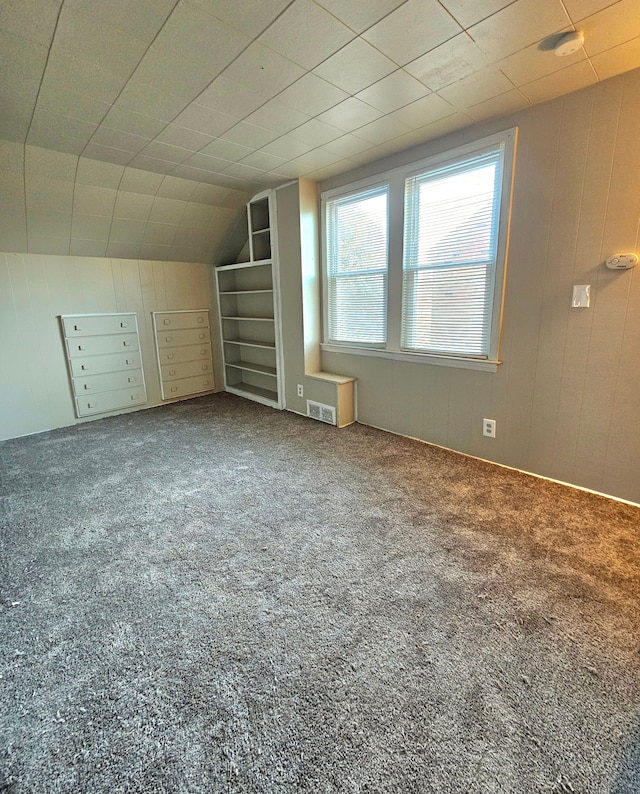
[183,347]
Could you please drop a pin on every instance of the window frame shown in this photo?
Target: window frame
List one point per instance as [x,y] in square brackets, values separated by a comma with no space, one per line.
[395,179]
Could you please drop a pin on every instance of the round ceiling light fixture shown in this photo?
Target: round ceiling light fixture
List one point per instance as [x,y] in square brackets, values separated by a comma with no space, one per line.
[569,43]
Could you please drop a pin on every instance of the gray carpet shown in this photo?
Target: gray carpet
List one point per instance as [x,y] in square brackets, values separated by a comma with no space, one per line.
[213,596]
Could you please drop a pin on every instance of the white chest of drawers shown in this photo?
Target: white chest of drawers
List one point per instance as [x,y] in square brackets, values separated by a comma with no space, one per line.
[103,355]
[183,346]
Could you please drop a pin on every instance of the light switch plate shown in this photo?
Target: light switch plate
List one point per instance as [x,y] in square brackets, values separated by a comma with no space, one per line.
[581,296]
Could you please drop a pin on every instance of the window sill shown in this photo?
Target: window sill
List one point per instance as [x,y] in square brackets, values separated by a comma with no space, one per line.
[483,365]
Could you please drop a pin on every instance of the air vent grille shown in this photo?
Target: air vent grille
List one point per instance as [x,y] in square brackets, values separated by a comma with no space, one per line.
[323,413]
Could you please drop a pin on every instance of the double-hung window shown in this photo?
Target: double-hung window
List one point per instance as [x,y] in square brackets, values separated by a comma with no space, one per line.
[429,289]
[356,267]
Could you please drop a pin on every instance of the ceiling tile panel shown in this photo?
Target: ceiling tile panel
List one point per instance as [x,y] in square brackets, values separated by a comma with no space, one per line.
[206,162]
[277,117]
[613,26]
[109,154]
[131,205]
[393,91]
[382,130]
[209,194]
[312,95]
[144,98]
[175,188]
[579,9]
[468,12]
[88,247]
[182,137]
[166,210]
[262,160]
[188,172]
[424,111]
[212,42]
[142,19]
[501,105]
[173,74]
[316,132]
[518,25]
[152,164]
[227,150]
[91,200]
[249,16]
[120,250]
[231,97]
[160,233]
[572,78]
[100,81]
[125,120]
[355,67]
[306,33]
[116,139]
[34,20]
[90,227]
[46,126]
[58,100]
[476,88]
[412,29]
[206,120]
[49,164]
[360,14]
[99,174]
[249,135]
[243,171]
[457,58]
[264,70]
[48,195]
[139,181]
[350,114]
[347,146]
[617,60]
[286,147]
[21,66]
[532,62]
[15,121]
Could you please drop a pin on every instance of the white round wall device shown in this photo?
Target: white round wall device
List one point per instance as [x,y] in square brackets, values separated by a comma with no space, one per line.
[569,43]
[622,261]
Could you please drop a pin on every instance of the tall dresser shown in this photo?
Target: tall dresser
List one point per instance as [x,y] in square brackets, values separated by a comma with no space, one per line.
[103,356]
[183,347]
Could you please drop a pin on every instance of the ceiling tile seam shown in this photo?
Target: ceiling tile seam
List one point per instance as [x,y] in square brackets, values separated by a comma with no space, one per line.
[33,113]
[160,29]
[220,73]
[464,28]
[24,195]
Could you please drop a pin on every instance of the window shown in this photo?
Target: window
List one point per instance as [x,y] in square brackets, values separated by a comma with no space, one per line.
[431,289]
[356,253]
[450,249]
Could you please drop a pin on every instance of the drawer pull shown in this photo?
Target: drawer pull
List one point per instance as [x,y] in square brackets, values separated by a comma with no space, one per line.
[172,372]
[169,355]
[201,336]
[205,367]
[174,388]
[134,396]
[91,405]
[167,321]
[168,338]
[84,367]
[86,386]
[77,328]
[126,343]
[200,319]
[132,379]
[82,347]
[124,325]
[203,351]
[128,361]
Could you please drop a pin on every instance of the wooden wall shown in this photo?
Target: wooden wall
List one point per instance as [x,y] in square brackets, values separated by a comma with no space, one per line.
[567,395]
[35,392]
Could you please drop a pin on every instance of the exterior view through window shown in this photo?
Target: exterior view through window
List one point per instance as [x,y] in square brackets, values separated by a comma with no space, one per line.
[433,292]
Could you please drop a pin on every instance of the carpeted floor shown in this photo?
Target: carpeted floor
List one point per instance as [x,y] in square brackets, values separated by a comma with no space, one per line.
[213,596]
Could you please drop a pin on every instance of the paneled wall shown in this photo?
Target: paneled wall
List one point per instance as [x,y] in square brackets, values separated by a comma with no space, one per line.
[567,395]
[35,392]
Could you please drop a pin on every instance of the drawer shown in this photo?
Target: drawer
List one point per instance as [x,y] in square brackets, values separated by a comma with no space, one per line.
[94,384]
[184,386]
[96,365]
[178,320]
[110,401]
[94,325]
[186,370]
[178,355]
[190,336]
[96,345]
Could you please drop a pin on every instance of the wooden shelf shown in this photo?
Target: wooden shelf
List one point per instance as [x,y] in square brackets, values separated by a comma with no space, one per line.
[246,292]
[256,392]
[251,367]
[250,319]
[249,343]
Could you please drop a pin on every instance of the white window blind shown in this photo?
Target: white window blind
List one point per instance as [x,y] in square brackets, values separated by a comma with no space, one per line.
[357,257]
[449,259]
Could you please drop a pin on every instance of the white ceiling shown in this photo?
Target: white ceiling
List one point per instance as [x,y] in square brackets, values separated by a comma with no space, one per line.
[249,93]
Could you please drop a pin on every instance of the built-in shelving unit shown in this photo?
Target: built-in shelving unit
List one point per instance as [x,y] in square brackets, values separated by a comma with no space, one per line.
[249,312]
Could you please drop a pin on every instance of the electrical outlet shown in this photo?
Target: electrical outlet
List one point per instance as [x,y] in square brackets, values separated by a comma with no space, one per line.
[489,428]
[300,390]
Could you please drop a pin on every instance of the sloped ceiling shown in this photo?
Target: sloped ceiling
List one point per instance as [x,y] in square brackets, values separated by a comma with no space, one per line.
[244,94]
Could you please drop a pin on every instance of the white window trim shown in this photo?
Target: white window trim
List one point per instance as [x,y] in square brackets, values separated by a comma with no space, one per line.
[395,179]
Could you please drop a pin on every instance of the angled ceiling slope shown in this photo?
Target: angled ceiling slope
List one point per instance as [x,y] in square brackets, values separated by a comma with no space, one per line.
[245,94]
